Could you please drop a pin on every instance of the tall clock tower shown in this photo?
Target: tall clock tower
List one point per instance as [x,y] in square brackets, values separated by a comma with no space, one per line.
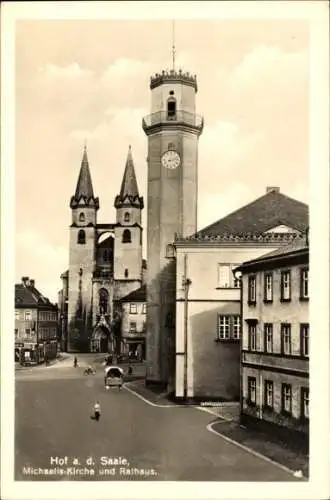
[173,129]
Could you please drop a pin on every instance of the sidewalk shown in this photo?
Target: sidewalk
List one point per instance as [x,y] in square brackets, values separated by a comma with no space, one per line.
[227,425]
[264,444]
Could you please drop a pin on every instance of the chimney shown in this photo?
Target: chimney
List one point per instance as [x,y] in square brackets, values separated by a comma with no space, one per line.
[32,283]
[25,280]
[271,189]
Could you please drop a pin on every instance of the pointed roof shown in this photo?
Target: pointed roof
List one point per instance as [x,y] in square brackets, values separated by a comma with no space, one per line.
[269,211]
[139,295]
[84,185]
[84,189]
[129,192]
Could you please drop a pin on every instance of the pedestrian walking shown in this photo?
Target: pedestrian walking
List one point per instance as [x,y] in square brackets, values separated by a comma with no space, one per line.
[75,362]
[97,411]
[130,370]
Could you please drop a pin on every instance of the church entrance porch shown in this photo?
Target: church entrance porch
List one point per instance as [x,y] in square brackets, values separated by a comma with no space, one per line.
[101,340]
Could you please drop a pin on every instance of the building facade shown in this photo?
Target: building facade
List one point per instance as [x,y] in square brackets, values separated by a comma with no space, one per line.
[105,263]
[275,341]
[133,324]
[208,310]
[173,129]
[36,326]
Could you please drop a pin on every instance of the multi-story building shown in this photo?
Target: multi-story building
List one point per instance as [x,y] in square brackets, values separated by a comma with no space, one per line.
[208,322]
[133,324]
[275,341]
[36,324]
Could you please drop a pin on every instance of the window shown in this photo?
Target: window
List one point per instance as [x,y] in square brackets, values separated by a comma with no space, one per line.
[286,398]
[252,337]
[106,255]
[228,327]
[28,316]
[126,217]
[304,402]
[304,284]
[223,326]
[226,278]
[171,108]
[82,217]
[126,273]
[144,308]
[103,301]
[224,275]
[268,337]
[236,326]
[132,327]
[304,339]
[17,314]
[252,390]
[28,332]
[252,290]
[269,394]
[286,338]
[133,308]
[81,237]
[127,236]
[268,289]
[285,285]
[16,332]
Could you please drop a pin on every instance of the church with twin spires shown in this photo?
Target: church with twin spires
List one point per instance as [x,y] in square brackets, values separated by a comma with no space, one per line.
[105,263]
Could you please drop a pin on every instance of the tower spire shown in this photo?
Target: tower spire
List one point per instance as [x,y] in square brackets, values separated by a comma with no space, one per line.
[84,189]
[173,44]
[129,188]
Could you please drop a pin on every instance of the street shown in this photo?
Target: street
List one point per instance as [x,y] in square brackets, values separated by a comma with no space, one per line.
[54,430]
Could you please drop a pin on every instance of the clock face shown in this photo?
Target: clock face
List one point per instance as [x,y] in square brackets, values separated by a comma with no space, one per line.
[171,159]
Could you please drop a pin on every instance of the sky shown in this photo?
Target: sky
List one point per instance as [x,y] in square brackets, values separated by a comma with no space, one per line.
[80,80]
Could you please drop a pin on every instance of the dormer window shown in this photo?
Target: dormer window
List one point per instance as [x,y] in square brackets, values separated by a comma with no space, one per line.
[171,108]
[81,237]
[127,236]
[126,217]
[82,217]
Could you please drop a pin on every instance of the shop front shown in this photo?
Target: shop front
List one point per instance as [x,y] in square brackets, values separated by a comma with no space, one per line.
[134,349]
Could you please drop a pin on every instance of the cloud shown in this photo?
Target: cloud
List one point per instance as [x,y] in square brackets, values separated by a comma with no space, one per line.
[72,71]
[43,261]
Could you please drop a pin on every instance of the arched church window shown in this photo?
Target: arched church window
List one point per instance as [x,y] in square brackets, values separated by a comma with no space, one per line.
[127,236]
[106,255]
[103,301]
[126,217]
[171,108]
[82,217]
[81,237]
[126,273]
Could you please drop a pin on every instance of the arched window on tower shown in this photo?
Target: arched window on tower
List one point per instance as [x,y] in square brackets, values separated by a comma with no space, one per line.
[126,273]
[81,237]
[82,217]
[106,255]
[171,108]
[126,217]
[103,301]
[127,236]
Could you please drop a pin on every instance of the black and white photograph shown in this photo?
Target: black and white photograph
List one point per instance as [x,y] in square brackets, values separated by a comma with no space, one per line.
[165,223]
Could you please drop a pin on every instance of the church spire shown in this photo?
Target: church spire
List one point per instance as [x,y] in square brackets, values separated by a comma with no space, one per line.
[129,193]
[84,189]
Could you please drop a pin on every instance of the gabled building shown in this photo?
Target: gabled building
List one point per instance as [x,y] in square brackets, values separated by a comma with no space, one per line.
[206,355]
[105,262]
[275,342]
[36,326]
[133,324]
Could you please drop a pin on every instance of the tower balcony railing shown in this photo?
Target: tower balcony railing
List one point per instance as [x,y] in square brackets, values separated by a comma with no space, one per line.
[103,273]
[180,117]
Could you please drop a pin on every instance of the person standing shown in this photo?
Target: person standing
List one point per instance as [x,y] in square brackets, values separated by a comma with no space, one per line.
[97,411]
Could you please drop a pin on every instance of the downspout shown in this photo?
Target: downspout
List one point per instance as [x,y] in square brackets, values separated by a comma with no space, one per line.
[185,332]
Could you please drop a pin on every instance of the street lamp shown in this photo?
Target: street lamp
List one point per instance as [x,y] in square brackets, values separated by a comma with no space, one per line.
[186,282]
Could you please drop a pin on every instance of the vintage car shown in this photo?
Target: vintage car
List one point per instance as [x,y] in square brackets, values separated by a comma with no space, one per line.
[114,376]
